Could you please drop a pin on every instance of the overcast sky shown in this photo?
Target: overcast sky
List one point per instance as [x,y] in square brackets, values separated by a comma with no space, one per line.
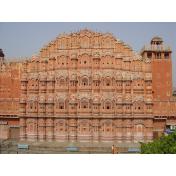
[26,39]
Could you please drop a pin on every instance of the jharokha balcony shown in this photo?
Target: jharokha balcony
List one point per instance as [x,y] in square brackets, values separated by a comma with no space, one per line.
[41,110]
[23,86]
[42,86]
[61,87]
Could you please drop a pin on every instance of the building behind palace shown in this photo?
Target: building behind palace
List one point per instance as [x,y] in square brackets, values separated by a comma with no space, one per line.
[9,97]
[88,86]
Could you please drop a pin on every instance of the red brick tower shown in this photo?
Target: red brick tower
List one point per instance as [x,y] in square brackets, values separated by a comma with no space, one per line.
[161,68]
[163,107]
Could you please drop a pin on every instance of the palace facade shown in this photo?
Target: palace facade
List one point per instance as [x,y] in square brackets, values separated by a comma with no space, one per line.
[90,86]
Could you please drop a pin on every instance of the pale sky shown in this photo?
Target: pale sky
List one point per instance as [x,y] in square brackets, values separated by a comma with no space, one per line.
[26,39]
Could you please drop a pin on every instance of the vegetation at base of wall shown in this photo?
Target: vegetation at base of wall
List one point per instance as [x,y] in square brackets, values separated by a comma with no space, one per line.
[163,145]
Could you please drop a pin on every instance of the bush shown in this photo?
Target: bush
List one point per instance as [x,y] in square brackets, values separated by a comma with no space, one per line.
[164,145]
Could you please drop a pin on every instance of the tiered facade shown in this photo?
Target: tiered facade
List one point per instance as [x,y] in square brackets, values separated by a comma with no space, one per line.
[87,86]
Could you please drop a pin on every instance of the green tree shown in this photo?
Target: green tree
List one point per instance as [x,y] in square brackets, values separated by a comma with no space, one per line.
[163,145]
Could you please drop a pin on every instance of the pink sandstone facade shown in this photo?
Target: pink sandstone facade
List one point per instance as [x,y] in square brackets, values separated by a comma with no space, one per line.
[9,98]
[90,86]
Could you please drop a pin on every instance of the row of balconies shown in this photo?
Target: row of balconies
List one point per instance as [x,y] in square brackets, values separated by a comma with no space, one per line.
[100,65]
[121,102]
[83,111]
[51,78]
[94,77]
[44,88]
[98,112]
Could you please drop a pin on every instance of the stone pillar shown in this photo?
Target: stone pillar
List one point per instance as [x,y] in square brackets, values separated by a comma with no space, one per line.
[148,134]
[95,130]
[128,132]
[72,130]
[22,129]
[41,129]
[107,133]
[119,131]
[60,130]
[84,134]
[31,130]
[139,129]
[49,129]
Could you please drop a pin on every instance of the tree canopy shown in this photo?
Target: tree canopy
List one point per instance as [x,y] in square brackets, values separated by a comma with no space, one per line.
[163,145]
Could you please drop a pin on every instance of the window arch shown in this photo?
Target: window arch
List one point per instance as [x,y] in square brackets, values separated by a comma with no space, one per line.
[108,105]
[138,106]
[84,104]
[85,81]
[62,81]
[107,81]
[139,132]
[61,104]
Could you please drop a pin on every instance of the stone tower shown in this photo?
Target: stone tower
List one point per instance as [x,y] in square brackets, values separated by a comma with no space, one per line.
[160,56]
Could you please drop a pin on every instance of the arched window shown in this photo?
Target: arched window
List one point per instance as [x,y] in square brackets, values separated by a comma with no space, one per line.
[31,105]
[61,105]
[85,82]
[62,82]
[84,104]
[30,127]
[107,82]
[139,130]
[107,105]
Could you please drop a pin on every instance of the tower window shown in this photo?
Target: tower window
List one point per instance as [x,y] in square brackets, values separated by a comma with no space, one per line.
[149,55]
[166,55]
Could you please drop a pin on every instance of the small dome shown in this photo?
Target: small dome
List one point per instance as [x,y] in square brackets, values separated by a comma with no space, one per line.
[156,40]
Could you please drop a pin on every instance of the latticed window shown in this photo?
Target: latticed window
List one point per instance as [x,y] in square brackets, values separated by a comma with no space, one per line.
[50,83]
[95,106]
[85,82]
[107,105]
[42,106]
[166,55]
[31,105]
[31,128]
[107,82]
[119,83]
[128,107]
[73,83]
[43,83]
[62,82]
[127,84]
[148,83]
[96,83]
[50,106]
[149,107]
[84,104]
[61,105]
[149,55]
